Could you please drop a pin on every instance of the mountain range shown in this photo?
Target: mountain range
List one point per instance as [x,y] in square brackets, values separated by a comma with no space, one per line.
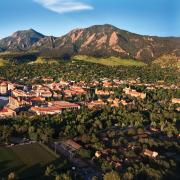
[99,40]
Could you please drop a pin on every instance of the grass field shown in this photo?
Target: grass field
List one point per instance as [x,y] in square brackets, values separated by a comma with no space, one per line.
[41,60]
[111,61]
[28,161]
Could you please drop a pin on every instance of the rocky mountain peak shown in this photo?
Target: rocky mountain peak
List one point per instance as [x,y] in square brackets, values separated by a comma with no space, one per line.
[98,40]
[21,40]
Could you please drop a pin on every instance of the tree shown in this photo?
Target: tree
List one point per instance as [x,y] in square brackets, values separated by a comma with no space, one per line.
[49,170]
[94,178]
[84,153]
[12,176]
[112,176]
[6,133]
[131,132]
[128,176]
[64,176]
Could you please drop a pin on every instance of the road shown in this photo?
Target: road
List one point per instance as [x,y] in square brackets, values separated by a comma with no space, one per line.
[84,168]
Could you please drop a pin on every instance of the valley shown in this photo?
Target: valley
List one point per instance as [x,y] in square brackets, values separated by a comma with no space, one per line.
[95,103]
[89,90]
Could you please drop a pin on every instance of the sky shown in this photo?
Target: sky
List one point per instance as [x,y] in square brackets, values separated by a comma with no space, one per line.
[58,17]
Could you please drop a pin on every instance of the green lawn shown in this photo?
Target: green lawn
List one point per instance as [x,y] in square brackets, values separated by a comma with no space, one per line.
[111,61]
[28,161]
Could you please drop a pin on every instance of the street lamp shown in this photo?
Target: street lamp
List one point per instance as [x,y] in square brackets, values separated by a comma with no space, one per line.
[74,170]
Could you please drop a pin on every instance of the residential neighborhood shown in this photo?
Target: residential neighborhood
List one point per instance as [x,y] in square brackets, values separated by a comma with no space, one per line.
[37,97]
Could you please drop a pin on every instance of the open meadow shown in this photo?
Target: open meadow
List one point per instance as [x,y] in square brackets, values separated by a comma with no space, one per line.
[110,61]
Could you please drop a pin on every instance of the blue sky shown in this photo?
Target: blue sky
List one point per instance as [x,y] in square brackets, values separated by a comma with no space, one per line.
[57,17]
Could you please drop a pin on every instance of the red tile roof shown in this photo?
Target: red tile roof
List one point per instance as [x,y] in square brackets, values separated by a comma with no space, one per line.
[3,110]
[73,144]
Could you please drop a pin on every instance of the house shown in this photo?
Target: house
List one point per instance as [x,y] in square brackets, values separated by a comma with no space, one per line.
[134,93]
[21,93]
[114,102]
[11,86]
[123,102]
[78,90]
[178,109]
[107,84]
[17,93]
[42,91]
[57,95]
[64,105]
[176,100]
[96,104]
[68,93]
[18,102]
[37,100]
[14,102]
[69,149]
[110,100]
[63,83]
[150,88]
[94,83]
[3,88]
[151,154]
[98,154]
[46,94]
[45,110]
[72,145]
[47,79]
[6,112]
[54,86]
[103,92]
[132,81]
[160,82]
[74,90]
[54,107]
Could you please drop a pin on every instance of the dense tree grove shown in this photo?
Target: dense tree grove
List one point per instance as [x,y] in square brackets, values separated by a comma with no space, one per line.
[88,124]
[74,70]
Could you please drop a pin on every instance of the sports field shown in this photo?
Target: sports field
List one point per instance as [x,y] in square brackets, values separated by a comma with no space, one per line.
[28,161]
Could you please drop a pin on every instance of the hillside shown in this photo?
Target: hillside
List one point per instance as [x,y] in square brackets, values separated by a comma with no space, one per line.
[20,40]
[108,40]
[99,41]
[168,61]
[111,61]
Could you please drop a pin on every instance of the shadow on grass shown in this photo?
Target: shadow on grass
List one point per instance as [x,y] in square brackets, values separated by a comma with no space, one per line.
[37,171]
[5,168]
